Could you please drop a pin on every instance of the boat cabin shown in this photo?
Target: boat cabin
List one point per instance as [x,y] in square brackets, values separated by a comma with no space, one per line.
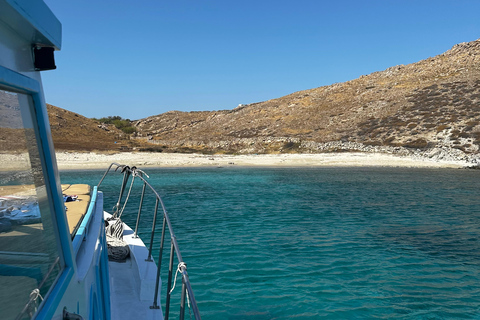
[39,267]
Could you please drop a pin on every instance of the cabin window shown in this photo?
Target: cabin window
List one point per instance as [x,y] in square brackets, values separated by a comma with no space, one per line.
[29,250]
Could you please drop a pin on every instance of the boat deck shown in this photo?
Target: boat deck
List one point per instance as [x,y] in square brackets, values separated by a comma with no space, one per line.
[125,296]
[76,209]
[132,283]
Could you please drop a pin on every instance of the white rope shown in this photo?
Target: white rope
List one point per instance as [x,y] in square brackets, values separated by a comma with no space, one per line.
[30,308]
[35,294]
[117,249]
[128,196]
[135,173]
[181,264]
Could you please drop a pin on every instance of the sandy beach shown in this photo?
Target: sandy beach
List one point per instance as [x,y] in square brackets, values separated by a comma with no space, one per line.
[75,161]
[67,160]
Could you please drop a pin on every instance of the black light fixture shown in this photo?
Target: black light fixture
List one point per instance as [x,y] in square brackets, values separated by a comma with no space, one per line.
[43,58]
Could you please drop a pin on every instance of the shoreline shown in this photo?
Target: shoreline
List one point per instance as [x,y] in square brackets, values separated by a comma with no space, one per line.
[79,161]
[87,161]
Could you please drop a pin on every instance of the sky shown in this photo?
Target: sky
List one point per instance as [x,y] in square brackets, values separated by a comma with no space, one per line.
[140,58]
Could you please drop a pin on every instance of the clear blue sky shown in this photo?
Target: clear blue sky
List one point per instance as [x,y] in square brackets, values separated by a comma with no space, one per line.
[140,58]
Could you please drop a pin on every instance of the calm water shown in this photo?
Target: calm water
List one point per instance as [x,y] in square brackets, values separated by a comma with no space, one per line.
[323,243]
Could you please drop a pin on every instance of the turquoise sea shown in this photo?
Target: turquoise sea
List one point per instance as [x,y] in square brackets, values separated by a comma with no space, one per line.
[321,243]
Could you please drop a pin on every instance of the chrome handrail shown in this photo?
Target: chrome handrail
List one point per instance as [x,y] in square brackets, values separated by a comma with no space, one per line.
[182,267]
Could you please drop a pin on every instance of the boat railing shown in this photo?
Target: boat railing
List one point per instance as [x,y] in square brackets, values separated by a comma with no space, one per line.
[187,292]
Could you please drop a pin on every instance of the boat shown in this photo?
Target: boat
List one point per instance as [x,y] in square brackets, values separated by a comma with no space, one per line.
[55,238]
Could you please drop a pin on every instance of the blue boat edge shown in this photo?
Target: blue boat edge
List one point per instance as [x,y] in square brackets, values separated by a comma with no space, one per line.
[67,275]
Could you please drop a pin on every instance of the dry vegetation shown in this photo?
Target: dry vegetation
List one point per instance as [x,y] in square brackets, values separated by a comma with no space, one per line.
[432,103]
[71,131]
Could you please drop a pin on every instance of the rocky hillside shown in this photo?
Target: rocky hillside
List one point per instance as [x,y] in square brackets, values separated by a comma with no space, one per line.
[434,103]
[74,132]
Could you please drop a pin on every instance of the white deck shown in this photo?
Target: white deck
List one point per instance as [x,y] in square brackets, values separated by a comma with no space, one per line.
[124,295]
[132,283]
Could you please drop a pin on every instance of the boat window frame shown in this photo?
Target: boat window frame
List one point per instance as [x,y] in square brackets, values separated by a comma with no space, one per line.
[18,83]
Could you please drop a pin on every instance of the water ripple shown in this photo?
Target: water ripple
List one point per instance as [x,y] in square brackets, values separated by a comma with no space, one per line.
[327,243]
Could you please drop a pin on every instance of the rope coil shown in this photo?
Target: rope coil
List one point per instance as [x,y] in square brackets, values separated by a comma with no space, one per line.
[117,248]
[114,242]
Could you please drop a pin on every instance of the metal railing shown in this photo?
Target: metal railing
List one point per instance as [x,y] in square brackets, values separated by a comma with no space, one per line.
[187,291]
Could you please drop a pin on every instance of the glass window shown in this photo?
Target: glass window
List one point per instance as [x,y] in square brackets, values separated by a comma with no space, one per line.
[29,253]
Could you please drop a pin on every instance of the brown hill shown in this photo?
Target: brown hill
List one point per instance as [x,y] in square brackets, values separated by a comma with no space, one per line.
[431,103]
[74,132]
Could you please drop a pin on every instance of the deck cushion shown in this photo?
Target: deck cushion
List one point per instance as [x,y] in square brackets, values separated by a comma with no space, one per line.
[76,210]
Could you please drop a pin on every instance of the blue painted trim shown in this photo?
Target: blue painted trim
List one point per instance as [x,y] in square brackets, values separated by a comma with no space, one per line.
[16,82]
[52,179]
[50,304]
[105,275]
[99,312]
[20,83]
[83,229]
[33,20]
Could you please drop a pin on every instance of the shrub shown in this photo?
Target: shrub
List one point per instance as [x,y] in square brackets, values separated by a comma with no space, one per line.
[417,144]
[290,146]
[442,127]
[123,124]
[128,130]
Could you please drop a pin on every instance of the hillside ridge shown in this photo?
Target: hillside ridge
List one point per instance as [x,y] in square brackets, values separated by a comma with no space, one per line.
[433,104]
